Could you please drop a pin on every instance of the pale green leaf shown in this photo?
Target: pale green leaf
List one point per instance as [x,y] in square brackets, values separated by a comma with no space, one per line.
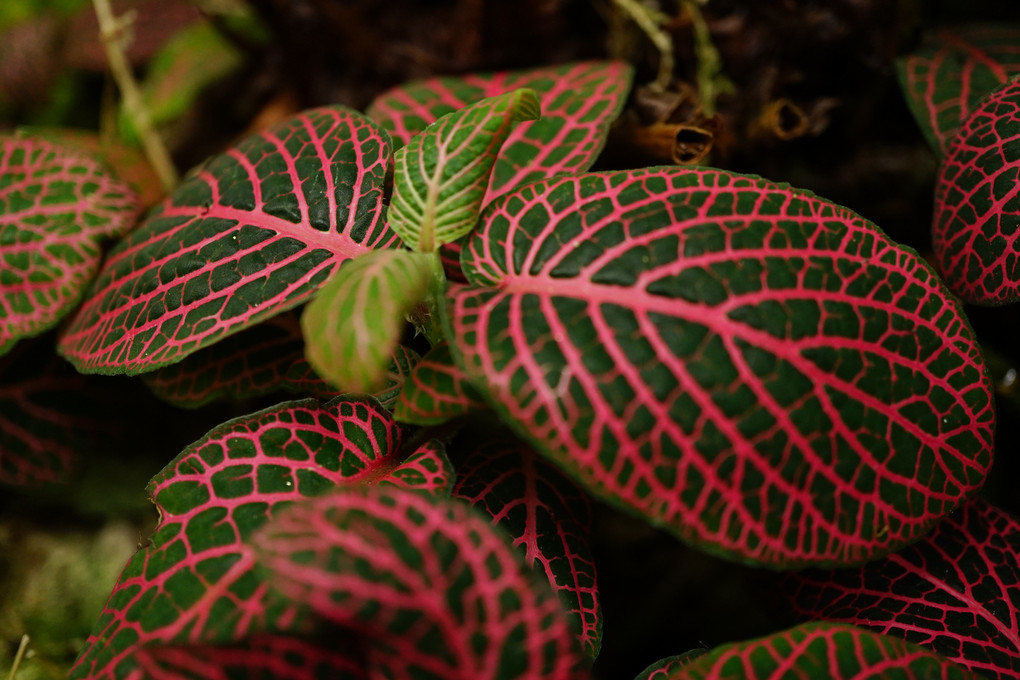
[353,325]
[441,175]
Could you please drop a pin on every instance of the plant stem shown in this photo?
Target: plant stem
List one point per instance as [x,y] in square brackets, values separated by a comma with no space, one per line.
[22,648]
[649,21]
[111,33]
[711,82]
[437,291]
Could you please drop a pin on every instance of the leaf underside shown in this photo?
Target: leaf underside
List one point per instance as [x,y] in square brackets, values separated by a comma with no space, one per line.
[757,369]
[820,650]
[956,591]
[548,518]
[430,586]
[976,232]
[954,70]
[252,232]
[57,205]
[194,580]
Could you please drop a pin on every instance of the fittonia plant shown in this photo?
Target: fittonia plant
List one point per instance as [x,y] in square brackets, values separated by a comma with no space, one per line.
[753,368]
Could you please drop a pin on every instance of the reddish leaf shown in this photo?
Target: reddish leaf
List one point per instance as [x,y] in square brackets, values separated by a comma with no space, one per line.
[56,207]
[957,591]
[433,588]
[43,420]
[820,650]
[954,70]
[578,103]
[665,668]
[251,233]
[436,391]
[977,207]
[251,363]
[273,657]
[549,520]
[194,581]
[757,369]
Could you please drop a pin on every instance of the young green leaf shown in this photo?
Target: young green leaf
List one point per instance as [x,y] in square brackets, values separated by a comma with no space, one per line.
[433,588]
[441,176]
[353,325]
[757,369]
[819,650]
[56,207]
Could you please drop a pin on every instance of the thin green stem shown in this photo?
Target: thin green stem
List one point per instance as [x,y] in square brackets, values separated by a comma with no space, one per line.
[436,299]
[22,649]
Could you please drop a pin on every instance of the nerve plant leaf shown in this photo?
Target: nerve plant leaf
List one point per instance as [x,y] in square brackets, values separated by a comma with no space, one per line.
[354,324]
[956,591]
[433,588]
[548,518]
[436,391]
[954,70]
[666,668]
[757,369]
[194,580]
[976,233]
[440,178]
[270,656]
[57,205]
[820,650]
[302,379]
[253,232]
[578,102]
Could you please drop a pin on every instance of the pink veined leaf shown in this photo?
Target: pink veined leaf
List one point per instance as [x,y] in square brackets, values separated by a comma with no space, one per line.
[194,581]
[251,233]
[433,589]
[578,103]
[757,369]
[955,69]
[957,591]
[436,391]
[548,518]
[976,232]
[57,205]
[43,420]
[301,378]
[269,656]
[251,363]
[820,650]
[663,668]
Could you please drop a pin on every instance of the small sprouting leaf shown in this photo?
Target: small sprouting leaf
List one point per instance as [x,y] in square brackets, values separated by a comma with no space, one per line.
[664,668]
[433,588]
[252,232]
[436,391]
[579,101]
[953,70]
[440,177]
[548,518]
[248,364]
[275,656]
[820,650]
[957,591]
[57,205]
[353,326]
[757,369]
[977,210]
[194,580]
[302,379]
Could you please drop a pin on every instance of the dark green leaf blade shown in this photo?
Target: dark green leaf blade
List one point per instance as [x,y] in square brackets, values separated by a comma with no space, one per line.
[56,206]
[757,369]
[251,233]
